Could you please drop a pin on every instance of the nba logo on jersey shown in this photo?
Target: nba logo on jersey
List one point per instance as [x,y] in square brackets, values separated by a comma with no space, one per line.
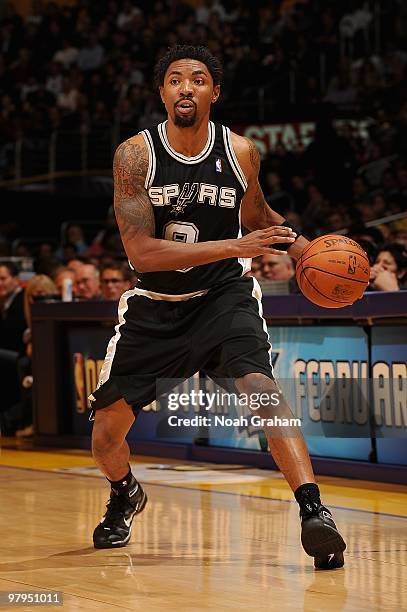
[218,165]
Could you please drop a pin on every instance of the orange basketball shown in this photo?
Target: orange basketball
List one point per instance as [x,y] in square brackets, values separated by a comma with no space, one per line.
[333,271]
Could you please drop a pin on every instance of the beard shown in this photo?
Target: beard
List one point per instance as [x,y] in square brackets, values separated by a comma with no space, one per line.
[185,122]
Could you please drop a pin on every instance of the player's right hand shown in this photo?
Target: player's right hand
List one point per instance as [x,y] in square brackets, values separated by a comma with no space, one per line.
[259,242]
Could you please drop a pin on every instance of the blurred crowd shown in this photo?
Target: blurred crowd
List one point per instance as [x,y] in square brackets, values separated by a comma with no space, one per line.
[76,279]
[86,65]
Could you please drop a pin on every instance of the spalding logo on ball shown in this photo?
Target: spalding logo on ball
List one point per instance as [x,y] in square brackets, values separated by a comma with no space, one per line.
[333,271]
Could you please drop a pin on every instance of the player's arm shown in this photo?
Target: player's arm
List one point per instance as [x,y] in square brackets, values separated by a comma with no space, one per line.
[135,218]
[256,213]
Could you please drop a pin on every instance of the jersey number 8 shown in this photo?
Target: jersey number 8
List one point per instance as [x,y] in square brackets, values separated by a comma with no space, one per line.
[181,232]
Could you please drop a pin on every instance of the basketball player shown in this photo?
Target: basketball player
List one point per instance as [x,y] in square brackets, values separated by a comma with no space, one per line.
[182,192]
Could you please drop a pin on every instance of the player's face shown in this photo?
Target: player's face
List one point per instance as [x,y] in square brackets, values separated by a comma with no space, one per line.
[188,92]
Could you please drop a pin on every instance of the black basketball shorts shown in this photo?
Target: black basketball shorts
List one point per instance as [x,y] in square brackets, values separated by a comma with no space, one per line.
[220,332]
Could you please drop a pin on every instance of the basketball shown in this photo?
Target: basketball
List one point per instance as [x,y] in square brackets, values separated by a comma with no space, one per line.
[333,271]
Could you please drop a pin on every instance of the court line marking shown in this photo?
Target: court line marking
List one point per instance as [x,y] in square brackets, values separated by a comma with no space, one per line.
[169,486]
[288,501]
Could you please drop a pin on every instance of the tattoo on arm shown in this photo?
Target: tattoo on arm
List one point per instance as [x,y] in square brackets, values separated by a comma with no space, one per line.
[134,212]
[254,157]
[263,214]
[259,201]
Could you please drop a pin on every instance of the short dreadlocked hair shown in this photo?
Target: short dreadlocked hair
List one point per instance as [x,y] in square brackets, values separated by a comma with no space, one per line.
[201,54]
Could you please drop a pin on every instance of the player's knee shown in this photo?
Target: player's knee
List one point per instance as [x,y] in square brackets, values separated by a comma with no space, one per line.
[104,438]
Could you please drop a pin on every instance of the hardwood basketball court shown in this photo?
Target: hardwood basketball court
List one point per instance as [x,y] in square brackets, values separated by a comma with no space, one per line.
[211,538]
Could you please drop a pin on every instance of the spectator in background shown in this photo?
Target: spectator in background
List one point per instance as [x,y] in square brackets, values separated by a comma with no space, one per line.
[400,237]
[68,99]
[67,56]
[256,268]
[54,81]
[20,417]
[37,16]
[28,88]
[74,235]
[91,56]
[12,326]
[87,282]
[67,252]
[379,206]
[46,265]
[39,285]
[336,221]
[314,215]
[277,267]
[74,264]
[275,195]
[114,281]
[359,189]
[127,15]
[110,228]
[370,249]
[341,92]
[118,43]
[389,270]
[368,234]
[12,322]
[389,184]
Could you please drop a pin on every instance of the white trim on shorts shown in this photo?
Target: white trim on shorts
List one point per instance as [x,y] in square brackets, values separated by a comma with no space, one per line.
[123,307]
[111,347]
[169,297]
[257,294]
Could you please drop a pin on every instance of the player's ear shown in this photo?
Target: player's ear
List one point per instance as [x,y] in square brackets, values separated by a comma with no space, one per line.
[161,94]
[215,93]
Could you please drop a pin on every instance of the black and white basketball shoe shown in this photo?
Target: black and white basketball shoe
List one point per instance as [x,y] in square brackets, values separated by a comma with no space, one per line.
[114,530]
[320,537]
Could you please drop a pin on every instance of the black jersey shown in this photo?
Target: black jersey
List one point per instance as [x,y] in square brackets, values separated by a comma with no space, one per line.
[195,199]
